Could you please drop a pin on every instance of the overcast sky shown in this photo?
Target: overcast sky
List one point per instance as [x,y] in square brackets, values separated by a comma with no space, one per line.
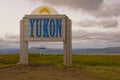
[95,23]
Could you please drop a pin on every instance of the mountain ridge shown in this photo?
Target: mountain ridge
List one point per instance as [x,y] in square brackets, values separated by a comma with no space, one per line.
[108,50]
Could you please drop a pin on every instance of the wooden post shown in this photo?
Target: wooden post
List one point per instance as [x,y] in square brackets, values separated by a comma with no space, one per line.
[68,44]
[23,46]
[69,41]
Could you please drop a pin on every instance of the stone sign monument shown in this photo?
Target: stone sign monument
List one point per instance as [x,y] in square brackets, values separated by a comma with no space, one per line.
[45,25]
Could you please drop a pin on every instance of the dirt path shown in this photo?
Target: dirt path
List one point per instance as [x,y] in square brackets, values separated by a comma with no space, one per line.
[44,73]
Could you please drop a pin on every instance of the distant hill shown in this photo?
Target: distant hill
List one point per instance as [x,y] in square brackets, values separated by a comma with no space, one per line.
[109,50]
[9,51]
[47,51]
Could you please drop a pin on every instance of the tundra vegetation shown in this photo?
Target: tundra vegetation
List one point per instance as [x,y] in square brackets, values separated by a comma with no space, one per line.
[50,67]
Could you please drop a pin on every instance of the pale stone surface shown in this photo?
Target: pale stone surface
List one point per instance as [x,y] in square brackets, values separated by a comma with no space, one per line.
[23,46]
[66,37]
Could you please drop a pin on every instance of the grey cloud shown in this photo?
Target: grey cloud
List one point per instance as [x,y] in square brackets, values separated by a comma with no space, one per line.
[101,37]
[1,39]
[105,23]
[109,10]
[12,36]
[10,40]
[83,4]
[86,23]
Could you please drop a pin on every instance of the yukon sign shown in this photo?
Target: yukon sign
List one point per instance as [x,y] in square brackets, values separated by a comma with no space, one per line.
[50,28]
[44,27]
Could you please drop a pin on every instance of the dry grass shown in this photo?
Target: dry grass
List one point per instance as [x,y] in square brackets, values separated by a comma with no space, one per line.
[50,67]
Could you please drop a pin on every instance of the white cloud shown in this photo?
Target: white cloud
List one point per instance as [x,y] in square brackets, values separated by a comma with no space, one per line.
[84,4]
[108,23]
[100,22]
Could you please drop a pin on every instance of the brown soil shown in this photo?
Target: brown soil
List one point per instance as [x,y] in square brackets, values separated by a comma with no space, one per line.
[45,72]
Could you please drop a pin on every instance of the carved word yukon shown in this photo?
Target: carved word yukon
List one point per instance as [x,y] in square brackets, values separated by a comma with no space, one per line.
[45,27]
